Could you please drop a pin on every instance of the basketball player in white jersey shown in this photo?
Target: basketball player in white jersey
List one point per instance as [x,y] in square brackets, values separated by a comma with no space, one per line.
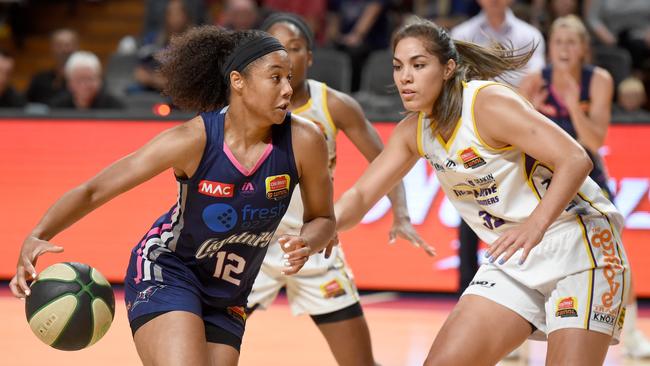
[557,269]
[324,288]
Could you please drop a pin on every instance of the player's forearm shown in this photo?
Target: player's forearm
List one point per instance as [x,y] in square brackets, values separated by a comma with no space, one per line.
[70,208]
[349,209]
[318,232]
[589,133]
[398,202]
[568,177]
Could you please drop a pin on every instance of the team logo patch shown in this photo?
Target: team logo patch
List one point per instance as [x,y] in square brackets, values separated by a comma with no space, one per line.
[277,186]
[144,296]
[237,312]
[219,217]
[567,308]
[332,289]
[216,189]
[471,159]
[247,189]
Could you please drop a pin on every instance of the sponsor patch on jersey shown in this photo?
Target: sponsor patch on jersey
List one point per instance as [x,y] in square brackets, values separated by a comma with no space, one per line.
[471,159]
[216,189]
[247,189]
[219,217]
[332,289]
[567,308]
[277,186]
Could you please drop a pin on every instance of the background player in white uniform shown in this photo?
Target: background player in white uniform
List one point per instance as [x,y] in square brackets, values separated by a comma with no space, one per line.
[324,288]
[557,268]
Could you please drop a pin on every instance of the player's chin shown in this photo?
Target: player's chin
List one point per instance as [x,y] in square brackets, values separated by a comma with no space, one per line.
[278,115]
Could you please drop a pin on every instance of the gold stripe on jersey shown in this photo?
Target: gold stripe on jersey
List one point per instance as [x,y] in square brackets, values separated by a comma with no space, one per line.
[326,109]
[303,107]
[419,136]
[592,259]
[448,143]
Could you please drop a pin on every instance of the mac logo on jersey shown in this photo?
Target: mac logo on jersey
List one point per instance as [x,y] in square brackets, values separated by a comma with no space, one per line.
[220,217]
[216,189]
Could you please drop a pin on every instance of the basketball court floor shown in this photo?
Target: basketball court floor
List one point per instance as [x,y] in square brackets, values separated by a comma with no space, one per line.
[402,329]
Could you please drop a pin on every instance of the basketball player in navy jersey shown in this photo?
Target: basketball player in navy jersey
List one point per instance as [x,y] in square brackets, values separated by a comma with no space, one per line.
[325,287]
[578,98]
[236,167]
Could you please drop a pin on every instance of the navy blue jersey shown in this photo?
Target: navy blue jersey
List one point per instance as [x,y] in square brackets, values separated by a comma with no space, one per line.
[558,113]
[217,234]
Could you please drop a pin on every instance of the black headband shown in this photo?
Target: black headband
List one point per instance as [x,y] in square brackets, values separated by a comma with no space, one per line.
[291,19]
[249,51]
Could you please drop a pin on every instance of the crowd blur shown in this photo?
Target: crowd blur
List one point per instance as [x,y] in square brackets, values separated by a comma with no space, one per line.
[354,33]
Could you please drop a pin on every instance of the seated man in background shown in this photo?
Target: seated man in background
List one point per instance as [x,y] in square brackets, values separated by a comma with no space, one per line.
[46,84]
[83,74]
[9,97]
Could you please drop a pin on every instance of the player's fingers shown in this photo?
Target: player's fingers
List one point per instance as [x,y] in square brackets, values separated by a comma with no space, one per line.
[22,283]
[293,268]
[52,249]
[524,254]
[495,245]
[298,253]
[510,251]
[15,289]
[392,235]
[500,248]
[429,250]
[328,250]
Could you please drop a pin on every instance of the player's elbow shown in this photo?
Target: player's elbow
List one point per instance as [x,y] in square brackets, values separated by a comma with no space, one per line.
[581,162]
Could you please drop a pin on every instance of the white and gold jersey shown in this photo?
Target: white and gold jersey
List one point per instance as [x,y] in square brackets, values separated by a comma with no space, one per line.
[495,189]
[317,111]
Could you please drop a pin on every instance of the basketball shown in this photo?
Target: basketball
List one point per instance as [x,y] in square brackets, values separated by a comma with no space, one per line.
[71,306]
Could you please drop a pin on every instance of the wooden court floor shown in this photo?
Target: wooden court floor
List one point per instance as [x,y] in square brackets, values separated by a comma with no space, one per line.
[402,331]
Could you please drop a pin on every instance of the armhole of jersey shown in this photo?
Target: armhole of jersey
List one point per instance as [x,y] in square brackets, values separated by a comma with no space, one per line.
[485,144]
[419,134]
[205,152]
[326,109]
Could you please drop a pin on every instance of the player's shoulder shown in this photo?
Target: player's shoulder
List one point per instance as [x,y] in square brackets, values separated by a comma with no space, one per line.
[301,127]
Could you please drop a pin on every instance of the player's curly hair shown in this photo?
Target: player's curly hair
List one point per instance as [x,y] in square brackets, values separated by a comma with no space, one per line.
[193,65]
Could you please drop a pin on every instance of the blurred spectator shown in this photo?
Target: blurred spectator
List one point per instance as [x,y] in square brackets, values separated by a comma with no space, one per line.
[314,12]
[154,21]
[47,84]
[83,73]
[497,23]
[146,75]
[623,22]
[544,12]
[358,27]
[446,13]
[9,97]
[631,98]
[240,15]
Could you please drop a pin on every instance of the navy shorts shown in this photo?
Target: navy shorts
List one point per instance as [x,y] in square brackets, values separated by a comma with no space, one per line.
[147,299]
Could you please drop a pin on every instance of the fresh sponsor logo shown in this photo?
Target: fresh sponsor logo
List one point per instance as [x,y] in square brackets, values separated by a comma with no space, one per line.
[219,217]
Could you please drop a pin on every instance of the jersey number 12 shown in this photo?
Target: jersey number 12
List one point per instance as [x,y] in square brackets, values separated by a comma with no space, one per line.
[235,266]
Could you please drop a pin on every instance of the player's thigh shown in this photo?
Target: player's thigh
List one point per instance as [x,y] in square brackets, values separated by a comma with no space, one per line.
[174,338]
[478,331]
[222,354]
[577,347]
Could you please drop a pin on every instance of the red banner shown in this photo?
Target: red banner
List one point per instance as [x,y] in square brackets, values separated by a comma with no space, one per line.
[41,160]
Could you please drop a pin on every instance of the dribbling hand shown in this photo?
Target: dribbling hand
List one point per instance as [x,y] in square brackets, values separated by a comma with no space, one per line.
[32,248]
[296,253]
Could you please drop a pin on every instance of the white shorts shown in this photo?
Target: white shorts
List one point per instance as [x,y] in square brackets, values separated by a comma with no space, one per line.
[554,289]
[323,285]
